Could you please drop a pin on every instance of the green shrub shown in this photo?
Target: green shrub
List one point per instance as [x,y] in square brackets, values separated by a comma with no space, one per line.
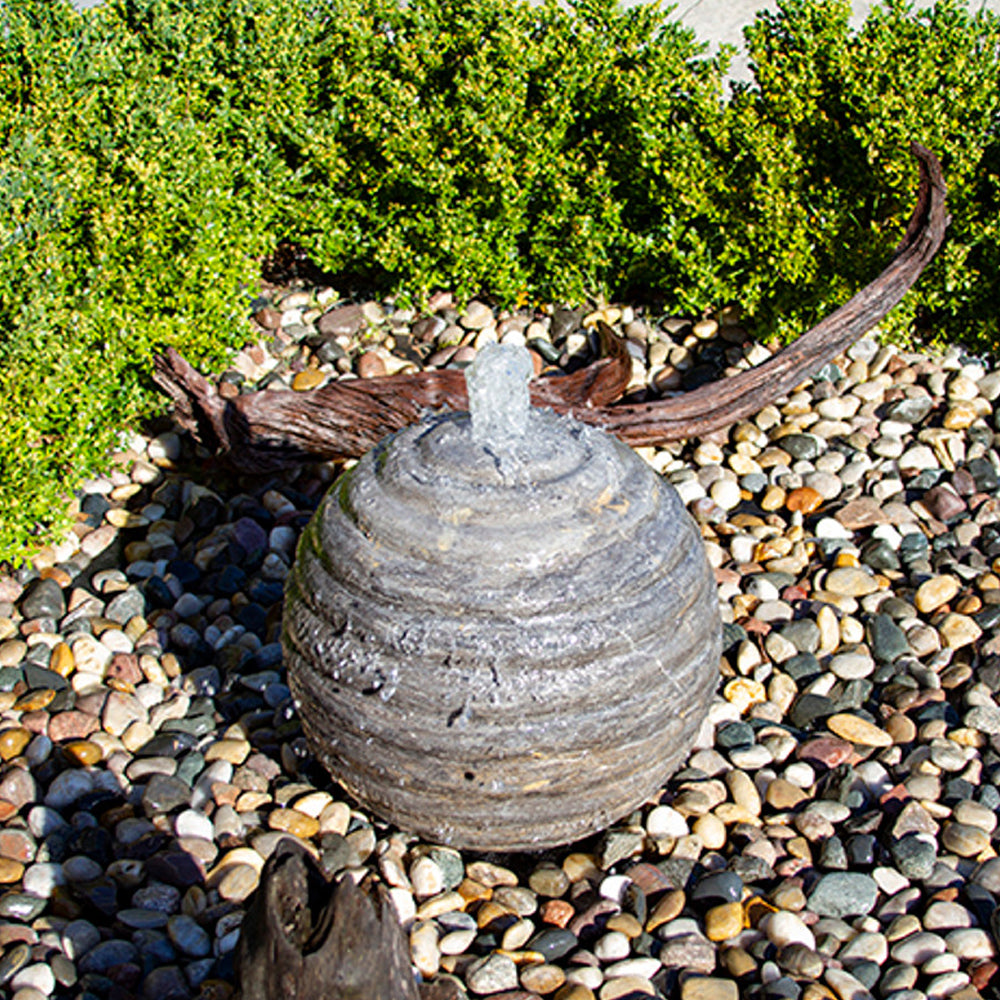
[823,180]
[153,151]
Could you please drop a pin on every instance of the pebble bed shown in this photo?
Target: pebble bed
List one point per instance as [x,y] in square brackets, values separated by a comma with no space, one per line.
[832,834]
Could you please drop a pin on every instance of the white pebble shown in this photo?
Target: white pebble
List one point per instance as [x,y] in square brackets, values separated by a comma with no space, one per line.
[664,821]
[783,928]
[612,947]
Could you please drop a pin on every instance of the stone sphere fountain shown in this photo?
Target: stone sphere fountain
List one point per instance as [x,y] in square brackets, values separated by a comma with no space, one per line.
[501,629]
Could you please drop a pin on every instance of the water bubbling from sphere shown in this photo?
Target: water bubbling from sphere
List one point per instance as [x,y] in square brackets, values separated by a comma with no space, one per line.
[499,401]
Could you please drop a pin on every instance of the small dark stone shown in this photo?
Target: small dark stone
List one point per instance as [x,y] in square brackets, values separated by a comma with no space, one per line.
[37,677]
[810,708]
[750,868]
[94,506]
[105,956]
[717,888]
[803,635]
[879,555]
[984,475]
[867,973]
[164,794]
[802,446]
[167,745]
[175,868]
[735,735]
[101,894]
[157,593]
[43,598]
[832,854]
[861,850]
[914,856]
[802,668]
[886,639]
[553,943]
[944,504]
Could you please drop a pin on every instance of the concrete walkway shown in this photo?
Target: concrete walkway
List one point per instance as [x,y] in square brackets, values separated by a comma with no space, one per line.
[721,22]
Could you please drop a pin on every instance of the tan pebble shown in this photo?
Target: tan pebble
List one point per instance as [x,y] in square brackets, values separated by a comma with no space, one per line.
[574,991]
[13,741]
[516,936]
[542,978]
[901,728]
[232,750]
[733,812]
[137,735]
[743,791]
[959,417]
[781,794]
[61,659]
[473,892]
[237,856]
[313,803]
[424,951]
[709,988]
[932,593]
[854,729]
[626,923]
[491,875]
[850,581]
[738,962]
[669,907]
[445,902]
[958,630]
[293,822]
[744,692]
[773,499]
[627,988]
[974,814]
[10,871]
[371,365]
[83,752]
[829,630]
[335,818]
[817,991]
[846,986]
[711,831]
[308,379]
[121,518]
[225,794]
[579,866]
[724,922]
[491,911]
[33,701]
[782,691]
[7,699]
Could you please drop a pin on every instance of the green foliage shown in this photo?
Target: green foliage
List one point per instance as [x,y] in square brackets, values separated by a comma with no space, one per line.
[154,150]
[823,179]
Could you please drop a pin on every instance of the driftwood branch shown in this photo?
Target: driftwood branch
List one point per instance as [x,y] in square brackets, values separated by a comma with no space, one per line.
[266,431]
[303,939]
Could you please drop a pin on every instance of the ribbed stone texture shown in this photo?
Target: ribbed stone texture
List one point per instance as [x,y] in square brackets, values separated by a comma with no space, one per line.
[507,649]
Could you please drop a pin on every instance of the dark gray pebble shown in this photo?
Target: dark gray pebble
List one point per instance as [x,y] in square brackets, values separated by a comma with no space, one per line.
[844,894]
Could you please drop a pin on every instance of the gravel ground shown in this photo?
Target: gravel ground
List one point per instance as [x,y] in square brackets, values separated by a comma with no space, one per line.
[832,834]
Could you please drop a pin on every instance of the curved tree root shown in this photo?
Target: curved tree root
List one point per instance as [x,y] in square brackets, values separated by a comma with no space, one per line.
[264,431]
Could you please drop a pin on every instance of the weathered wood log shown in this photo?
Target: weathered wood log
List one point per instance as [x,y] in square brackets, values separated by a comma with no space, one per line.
[262,432]
[305,939]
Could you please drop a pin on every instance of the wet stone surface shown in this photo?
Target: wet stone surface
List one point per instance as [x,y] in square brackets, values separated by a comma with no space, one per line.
[832,834]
